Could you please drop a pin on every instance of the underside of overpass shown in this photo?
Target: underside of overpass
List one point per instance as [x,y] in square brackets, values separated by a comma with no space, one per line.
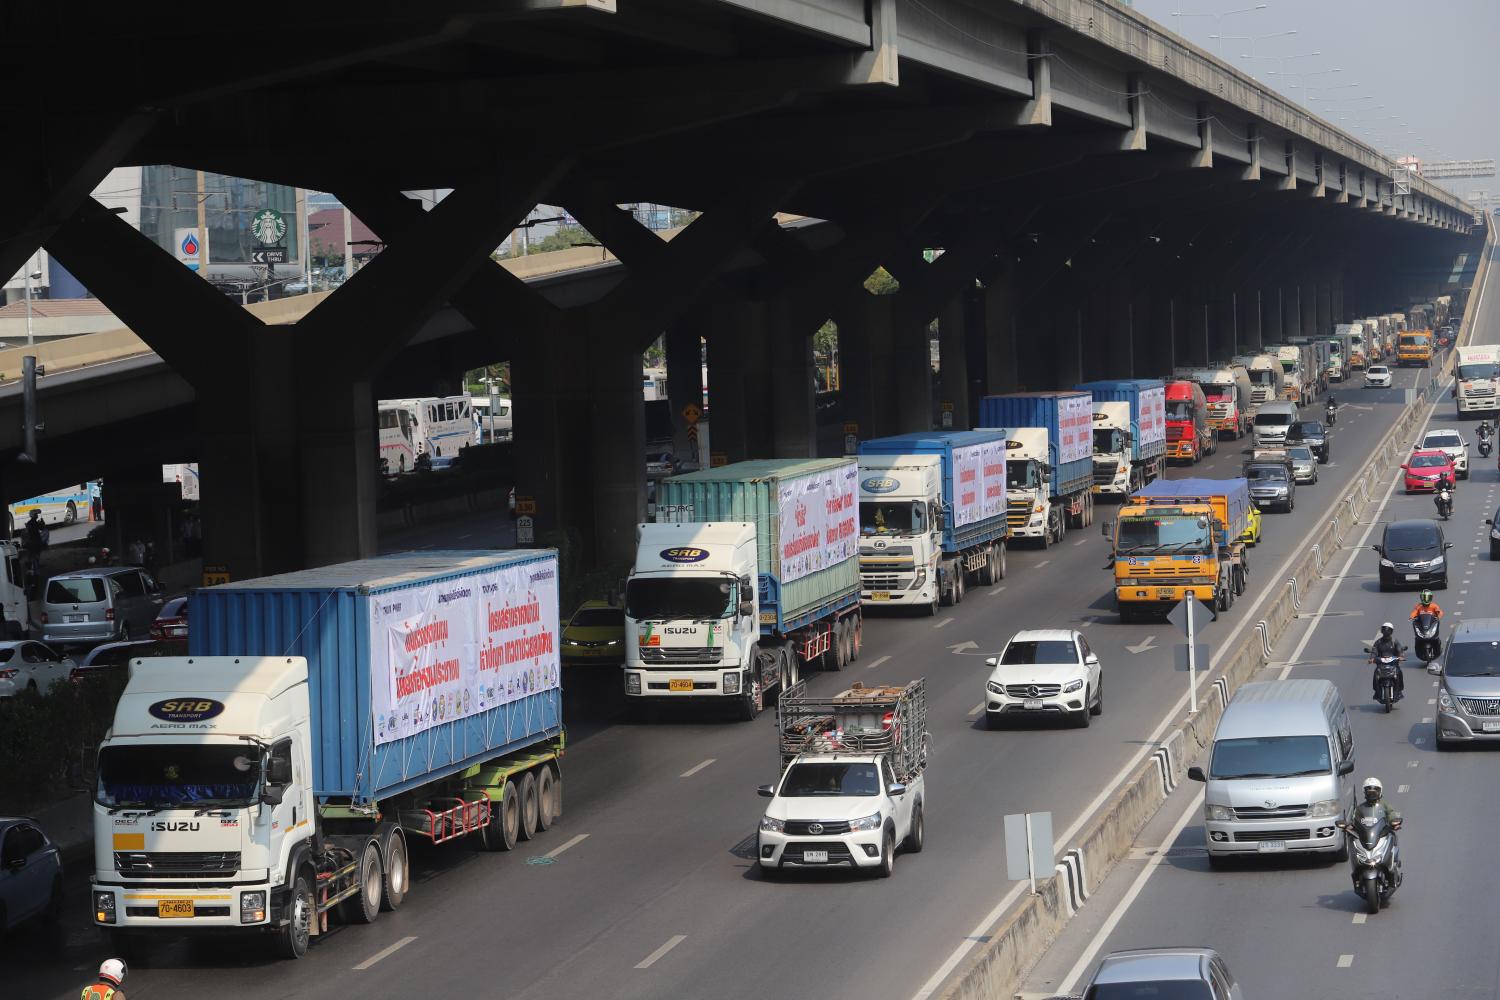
[1108,200]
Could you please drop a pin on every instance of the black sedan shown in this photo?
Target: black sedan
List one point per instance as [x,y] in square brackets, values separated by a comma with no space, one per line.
[1413,553]
[1311,433]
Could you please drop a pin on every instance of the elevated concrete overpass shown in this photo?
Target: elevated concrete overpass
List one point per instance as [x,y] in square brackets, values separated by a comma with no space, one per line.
[1110,201]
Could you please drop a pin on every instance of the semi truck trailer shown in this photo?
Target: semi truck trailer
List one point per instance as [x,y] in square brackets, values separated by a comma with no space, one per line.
[749,574]
[1130,433]
[931,517]
[269,781]
[1049,441]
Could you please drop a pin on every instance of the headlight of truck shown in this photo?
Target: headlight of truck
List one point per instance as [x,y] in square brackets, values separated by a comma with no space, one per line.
[1218,813]
[252,907]
[1325,809]
[732,682]
[771,824]
[104,907]
[632,683]
[1072,685]
[871,822]
[994,687]
[919,580]
[1127,581]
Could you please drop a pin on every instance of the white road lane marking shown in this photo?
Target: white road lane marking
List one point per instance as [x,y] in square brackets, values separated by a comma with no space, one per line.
[383,954]
[1419,741]
[697,767]
[1085,960]
[1359,918]
[1043,563]
[977,709]
[1427,718]
[1345,961]
[1431,701]
[655,956]
[875,663]
[997,590]
[1402,789]
[944,623]
[565,845]
[1081,541]
[1411,763]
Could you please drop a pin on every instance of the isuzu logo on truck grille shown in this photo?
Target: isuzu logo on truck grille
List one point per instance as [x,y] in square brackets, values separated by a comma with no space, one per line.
[186,709]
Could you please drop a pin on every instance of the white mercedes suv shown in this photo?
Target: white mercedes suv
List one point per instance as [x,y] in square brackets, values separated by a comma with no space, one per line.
[1044,673]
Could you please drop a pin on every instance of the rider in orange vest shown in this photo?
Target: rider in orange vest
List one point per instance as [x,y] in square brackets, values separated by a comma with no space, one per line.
[111,978]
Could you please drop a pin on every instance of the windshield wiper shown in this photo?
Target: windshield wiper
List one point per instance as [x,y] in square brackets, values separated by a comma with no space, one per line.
[211,805]
[141,807]
[1248,774]
[1303,774]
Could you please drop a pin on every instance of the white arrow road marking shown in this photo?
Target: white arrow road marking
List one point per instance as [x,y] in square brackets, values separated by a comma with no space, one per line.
[1143,645]
[963,647]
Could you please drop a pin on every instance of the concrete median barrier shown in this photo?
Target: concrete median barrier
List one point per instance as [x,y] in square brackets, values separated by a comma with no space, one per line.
[997,968]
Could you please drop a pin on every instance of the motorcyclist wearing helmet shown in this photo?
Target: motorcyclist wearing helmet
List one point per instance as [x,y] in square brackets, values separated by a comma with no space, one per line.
[1375,806]
[111,979]
[1483,432]
[1387,645]
[1426,606]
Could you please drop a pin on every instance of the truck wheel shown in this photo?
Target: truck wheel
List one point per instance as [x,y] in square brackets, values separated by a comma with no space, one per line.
[1000,561]
[750,702]
[947,593]
[292,938]
[985,575]
[364,906]
[840,646]
[546,797]
[504,828]
[959,585]
[528,806]
[397,873]
[913,842]
[887,855]
[856,637]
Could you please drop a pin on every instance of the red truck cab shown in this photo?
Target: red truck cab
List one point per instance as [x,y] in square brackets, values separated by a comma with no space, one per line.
[1189,436]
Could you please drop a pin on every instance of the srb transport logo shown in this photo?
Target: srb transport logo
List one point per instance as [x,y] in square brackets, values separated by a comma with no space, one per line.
[880,485]
[186,709]
[684,555]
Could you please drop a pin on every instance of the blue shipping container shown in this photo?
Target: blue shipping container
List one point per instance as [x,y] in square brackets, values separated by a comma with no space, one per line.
[956,537]
[1068,418]
[1149,428]
[324,614]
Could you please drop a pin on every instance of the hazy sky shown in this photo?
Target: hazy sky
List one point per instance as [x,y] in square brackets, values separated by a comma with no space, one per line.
[1422,63]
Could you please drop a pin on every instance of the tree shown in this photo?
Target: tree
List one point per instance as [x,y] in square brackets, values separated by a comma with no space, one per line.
[882,283]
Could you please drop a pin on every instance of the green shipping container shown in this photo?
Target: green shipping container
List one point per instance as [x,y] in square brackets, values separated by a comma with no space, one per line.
[806,517]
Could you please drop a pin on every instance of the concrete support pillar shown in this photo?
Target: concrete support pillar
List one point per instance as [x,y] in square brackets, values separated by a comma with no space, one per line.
[550,389]
[866,336]
[1117,329]
[738,371]
[911,359]
[953,358]
[1194,348]
[1336,299]
[976,352]
[1224,325]
[140,509]
[1307,301]
[793,403]
[1248,310]
[338,448]
[1272,310]
[616,443]
[1002,367]
[685,382]
[1067,347]
[1323,316]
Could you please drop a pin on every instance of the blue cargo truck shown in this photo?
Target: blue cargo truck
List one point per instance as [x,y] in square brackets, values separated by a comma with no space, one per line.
[1049,460]
[272,778]
[749,574]
[1130,433]
[931,517]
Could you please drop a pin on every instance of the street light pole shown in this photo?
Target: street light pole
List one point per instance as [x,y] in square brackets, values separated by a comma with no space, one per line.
[1219,17]
[29,272]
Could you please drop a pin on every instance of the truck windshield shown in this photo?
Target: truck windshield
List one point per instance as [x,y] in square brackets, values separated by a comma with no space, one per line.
[1021,475]
[892,517]
[1479,369]
[668,598]
[807,780]
[1262,376]
[174,774]
[1179,409]
[1108,441]
[1147,535]
[1270,757]
[1217,393]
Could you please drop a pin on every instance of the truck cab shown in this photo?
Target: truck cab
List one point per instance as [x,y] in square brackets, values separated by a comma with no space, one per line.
[692,612]
[900,513]
[1113,439]
[1189,436]
[1227,392]
[1027,476]
[1414,349]
[203,798]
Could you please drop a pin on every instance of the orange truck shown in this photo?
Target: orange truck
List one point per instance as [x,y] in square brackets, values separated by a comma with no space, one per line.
[1189,434]
[1414,349]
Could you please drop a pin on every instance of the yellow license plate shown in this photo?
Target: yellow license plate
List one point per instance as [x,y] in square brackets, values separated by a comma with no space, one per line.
[679,684]
[880,595]
[167,908]
[1164,592]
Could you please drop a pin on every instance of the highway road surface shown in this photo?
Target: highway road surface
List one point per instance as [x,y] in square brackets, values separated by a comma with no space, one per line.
[647,887]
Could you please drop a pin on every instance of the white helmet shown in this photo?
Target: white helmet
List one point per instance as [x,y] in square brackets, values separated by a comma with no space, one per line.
[1373,783]
[114,970]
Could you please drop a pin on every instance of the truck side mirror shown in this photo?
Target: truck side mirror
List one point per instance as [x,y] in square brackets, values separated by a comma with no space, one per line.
[272,795]
[895,788]
[1195,773]
[279,771]
[747,608]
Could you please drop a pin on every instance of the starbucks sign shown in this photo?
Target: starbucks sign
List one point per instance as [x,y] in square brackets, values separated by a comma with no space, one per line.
[268,226]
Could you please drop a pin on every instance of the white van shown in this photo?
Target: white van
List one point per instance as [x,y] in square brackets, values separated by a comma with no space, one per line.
[1272,423]
[1278,777]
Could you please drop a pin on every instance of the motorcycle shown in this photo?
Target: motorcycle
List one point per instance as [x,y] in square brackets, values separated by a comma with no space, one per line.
[1374,857]
[1332,413]
[1427,645]
[1387,671]
[1484,447]
[1444,501]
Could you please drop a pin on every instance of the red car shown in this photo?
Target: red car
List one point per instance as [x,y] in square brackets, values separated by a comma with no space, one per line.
[1424,468]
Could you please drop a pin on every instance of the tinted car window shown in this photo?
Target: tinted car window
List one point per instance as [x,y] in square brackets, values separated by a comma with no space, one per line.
[1040,651]
[131,585]
[82,590]
[1172,989]
[583,617]
[1442,441]
[1473,659]
[1429,461]
[1410,538]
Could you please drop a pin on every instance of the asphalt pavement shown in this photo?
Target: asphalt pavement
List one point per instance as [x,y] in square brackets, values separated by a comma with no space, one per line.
[651,889]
